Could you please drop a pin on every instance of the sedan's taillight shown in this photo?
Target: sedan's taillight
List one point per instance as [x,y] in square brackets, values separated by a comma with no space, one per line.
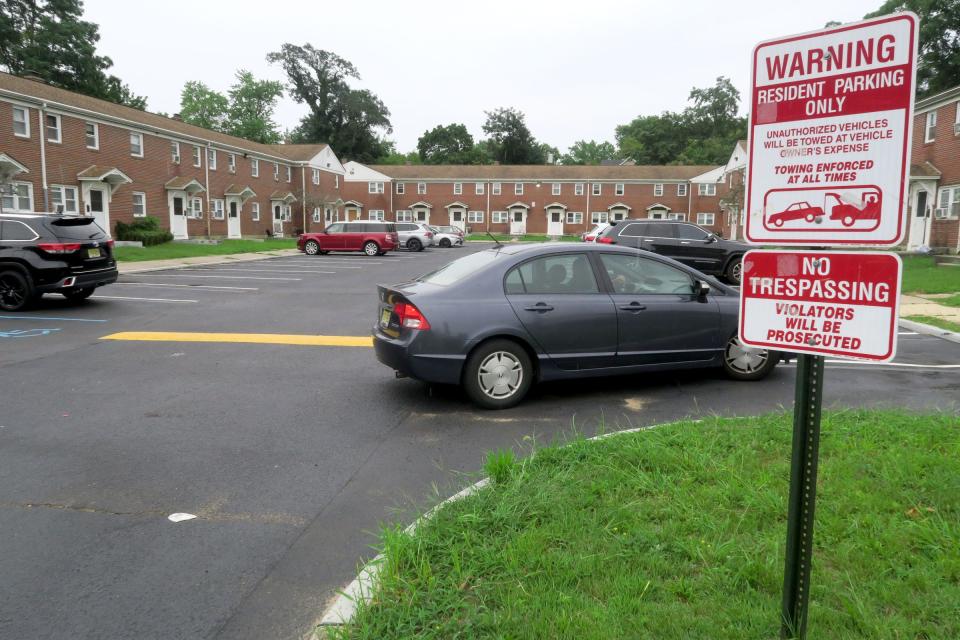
[110,243]
[59,248]
[410,317]
[606,240]
[429,234]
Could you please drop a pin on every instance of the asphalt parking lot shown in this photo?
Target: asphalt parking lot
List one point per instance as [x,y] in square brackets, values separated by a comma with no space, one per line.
[290,456]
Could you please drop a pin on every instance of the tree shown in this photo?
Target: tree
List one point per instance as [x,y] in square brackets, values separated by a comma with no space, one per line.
[451,144]
[252,102]
[48,39]
[347,119]
[588,152]
[202,106]
[938,67]
[510,140]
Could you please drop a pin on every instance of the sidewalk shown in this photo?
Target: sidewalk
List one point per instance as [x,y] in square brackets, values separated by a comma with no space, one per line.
[173,263]
[928,306]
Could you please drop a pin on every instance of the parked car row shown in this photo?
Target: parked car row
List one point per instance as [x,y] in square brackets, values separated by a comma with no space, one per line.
[377,238]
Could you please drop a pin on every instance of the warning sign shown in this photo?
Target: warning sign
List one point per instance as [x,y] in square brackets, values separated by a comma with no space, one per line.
[836,303]
[830,132]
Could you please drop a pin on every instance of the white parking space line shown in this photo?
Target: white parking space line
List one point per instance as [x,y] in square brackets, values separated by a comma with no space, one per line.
[907,333]
[202,287]
[143,299]
[268,270]
[190,275]
[907,365]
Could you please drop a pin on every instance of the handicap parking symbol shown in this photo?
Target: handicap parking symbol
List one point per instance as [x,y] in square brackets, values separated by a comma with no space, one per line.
[26,333]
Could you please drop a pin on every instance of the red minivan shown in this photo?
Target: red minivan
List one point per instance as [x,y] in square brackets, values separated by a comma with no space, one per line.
[371,238]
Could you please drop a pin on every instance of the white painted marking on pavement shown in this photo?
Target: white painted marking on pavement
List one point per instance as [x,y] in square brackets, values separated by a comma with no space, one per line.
[180,517]
[142,299]
[189,286]
[271,270]
[183,275]
[852,363]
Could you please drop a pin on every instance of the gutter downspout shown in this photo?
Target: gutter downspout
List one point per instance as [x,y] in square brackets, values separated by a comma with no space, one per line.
[303,187]
[206,171]
[43,158]
[393,213]
[489,213]
[690,203]
[589,188]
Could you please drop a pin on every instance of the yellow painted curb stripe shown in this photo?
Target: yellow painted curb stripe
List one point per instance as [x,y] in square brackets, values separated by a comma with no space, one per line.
[252,338]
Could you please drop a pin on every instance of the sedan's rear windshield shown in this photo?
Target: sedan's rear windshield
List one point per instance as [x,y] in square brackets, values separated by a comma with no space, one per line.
[460,268]
[76,228]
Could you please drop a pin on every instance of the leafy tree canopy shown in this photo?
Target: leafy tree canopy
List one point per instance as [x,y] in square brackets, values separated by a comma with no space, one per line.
[246,111]
[588,152]
[510,140]
[451,144]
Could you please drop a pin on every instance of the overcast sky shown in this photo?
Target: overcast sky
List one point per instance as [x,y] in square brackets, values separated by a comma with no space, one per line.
[576,69]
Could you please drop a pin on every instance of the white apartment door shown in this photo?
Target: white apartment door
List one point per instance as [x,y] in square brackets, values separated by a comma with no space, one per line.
[178,217]
[98,205]
[456,219]
[422,215]
[555,222]
[278,220]
[518,222]
[233,219]
[920,222]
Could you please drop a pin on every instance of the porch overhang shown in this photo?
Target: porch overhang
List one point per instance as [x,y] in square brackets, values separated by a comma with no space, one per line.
[9,168]
[352,203]
[421,205]
[518,205]
[657,205]
[183,183]
[239,191]
[556,205]
[108,175]
[620,205]
[286,197]
[456,205]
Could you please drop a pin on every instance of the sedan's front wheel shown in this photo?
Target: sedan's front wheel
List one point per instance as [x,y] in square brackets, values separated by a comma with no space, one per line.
[734,272]
[312,248]
[741,362]
[498,374]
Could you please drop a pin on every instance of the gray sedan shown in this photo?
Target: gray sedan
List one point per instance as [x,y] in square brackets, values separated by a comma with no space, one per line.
[498,320]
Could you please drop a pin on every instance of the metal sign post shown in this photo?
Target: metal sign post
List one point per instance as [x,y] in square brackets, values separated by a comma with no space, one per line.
[808,402]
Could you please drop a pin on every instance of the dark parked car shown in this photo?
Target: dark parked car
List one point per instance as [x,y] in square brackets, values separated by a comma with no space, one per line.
[498,320]
[684,242]
[50,253]
[372,238]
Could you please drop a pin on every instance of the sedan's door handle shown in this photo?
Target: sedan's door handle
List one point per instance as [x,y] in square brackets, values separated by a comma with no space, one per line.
[684,242]
[634,306]
[540,306]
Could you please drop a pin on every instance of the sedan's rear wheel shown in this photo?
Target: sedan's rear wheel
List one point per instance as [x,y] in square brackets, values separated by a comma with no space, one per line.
[370,248]
[741,362]
[414,245]
[445,243]
[15,291]
[734,272]
[498,374]
[312,248]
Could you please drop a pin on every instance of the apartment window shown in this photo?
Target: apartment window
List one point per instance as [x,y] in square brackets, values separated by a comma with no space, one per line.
[63,199]
[21,122]
[374,187]
[53,128]
[336,182]
[555,189]
[376,214]
[139,204]
[254,168]
[276,170]
[289,174]
[197,158]
[287,213]
[495,190]
[682,189]
[618,189]
[92,131]
[212,159]
[401,188]
[597,188]
[18,198]
[231,163]
[705,219]
[474,217]
[518,189]
[457,188]
[677,216]
[216,207]
[255,211]
[578,189]
[404,215]
[478,188]
[316,214]
[421,188]
[706,189]
[316,178]
[498,217]
[174,152]
[658,189]
[328,215]
[599,217]
[574,217]
[948,206]
[136,145]
[196,206]
[931,130]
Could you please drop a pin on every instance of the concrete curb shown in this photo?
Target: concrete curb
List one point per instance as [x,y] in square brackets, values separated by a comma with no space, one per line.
[344,607]
[194,261]
[930,330]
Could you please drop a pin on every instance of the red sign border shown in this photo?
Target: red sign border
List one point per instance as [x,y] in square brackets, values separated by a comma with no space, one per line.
[894,320]
[907,138]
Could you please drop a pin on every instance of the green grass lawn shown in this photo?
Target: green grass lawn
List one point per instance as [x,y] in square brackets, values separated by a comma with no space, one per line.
[952,301]
[530,237]
[921,275]
[678,533]
[187,250]
[936,322]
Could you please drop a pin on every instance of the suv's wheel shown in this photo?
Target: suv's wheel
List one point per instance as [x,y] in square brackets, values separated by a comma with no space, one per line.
[498,374]
[312,248]
[15,291]
[79,294]
[734,271]
[445,243]
[370,248]
[741,362]
[414,245]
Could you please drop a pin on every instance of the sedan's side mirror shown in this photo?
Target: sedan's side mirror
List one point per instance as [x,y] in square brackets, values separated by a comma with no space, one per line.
[702,289]
[711,238]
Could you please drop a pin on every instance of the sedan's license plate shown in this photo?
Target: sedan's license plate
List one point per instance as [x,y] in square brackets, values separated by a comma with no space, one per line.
[93,253]
[385,318]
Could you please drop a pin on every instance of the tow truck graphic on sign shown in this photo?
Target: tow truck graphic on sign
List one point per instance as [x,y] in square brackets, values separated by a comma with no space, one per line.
[854,208]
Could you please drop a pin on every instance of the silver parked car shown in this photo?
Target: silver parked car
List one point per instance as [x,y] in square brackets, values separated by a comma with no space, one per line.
[447,236]
[415,235]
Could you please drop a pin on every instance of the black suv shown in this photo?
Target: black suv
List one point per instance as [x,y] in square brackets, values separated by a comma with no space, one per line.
[50,253]
[685,242]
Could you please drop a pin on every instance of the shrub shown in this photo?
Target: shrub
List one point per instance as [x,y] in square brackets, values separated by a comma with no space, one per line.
[146,230]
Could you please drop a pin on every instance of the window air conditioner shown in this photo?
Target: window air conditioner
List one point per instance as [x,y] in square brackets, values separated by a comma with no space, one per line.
[941,213]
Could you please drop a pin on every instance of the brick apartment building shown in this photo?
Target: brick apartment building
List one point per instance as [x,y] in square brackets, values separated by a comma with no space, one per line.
[63,151]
